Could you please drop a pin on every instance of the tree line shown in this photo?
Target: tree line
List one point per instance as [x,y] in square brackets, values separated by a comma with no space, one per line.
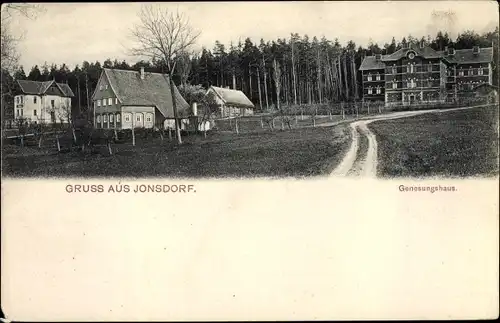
[297,70]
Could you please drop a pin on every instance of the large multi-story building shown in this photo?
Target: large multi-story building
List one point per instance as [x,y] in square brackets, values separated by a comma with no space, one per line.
[417,73]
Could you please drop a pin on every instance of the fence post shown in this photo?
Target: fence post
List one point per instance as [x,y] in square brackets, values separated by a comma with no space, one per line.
[261,123]
[133,136]
[236,124]
[109,147]
[116,135]
[273,122]
[314,120]
[40,141]
[58,144]
[296,120]
[74,135]
[302,113]
[22,140]
[282,124]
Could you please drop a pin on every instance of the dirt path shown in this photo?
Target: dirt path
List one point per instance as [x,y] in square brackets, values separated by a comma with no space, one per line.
[368,166]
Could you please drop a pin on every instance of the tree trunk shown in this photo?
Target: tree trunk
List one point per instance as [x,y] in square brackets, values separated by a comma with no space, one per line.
[265,89]
[258,85]
[250,81]
[176,117]
[347,93]
[234,80]
[294,77]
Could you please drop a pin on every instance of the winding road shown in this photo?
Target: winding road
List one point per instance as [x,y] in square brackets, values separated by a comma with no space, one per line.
[367,167]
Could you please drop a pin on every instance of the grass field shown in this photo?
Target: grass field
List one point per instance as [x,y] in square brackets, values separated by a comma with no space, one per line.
[460,143]
[296,153]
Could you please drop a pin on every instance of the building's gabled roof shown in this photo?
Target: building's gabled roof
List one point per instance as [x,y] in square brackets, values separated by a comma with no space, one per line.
[426,52]
[233,97]
[465,56]
[371,63]
[153,90]
[39,88]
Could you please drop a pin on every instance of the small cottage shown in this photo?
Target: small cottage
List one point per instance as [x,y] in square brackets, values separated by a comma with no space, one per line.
[124,99]
[231,103]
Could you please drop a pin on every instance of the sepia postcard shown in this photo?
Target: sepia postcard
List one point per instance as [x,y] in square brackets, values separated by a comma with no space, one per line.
[282,160]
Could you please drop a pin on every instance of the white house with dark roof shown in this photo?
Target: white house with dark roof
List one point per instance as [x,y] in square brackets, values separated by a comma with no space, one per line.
[124,99]
[231,102]
[42,102]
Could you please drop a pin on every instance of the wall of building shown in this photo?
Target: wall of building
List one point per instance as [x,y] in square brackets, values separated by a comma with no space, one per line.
[25,107]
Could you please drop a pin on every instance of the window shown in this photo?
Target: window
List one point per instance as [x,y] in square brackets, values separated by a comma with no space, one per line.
[117,118]
[52,103]
[21,112]
[370,90]
[106,86]
[110,101]
[369,77]
[378,90]
[18,99]
[34,112]
[466,73]
[103,102]
[461,73]
[110,118]
[105,118]
[429,67]
[138,117]
[394,85]
[34,99]
[127,118]
[411,68]
[378,77]
[98,119]
[17,112]
[148,118]
[116,100]
[98,103]
[394,70]
[22,99]
[100,87]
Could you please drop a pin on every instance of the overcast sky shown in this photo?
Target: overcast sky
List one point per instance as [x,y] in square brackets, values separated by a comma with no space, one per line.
[72,32]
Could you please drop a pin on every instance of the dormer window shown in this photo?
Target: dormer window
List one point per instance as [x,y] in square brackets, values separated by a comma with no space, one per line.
[98,103]
[369,78]
[103,102]
[106,86]
[476,50]
[394,70]
[411,68]
[100,87]
[429,67]
[411,55]
[394,85]
[378,57]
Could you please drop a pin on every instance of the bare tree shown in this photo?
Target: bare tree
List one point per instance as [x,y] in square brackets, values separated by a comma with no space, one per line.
[163,35]
[9,41]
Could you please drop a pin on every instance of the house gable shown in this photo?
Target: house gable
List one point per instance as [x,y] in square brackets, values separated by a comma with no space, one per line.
[104,89]
[53,89]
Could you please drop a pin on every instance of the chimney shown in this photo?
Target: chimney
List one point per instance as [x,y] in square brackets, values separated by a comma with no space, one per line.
[422,44]
[451,51]
[142,73]
[195,109]
[476,50]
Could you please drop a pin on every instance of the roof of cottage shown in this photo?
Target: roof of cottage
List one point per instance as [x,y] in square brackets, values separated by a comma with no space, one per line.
[153,90]
[39,88]
[425,51]
[233,97]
